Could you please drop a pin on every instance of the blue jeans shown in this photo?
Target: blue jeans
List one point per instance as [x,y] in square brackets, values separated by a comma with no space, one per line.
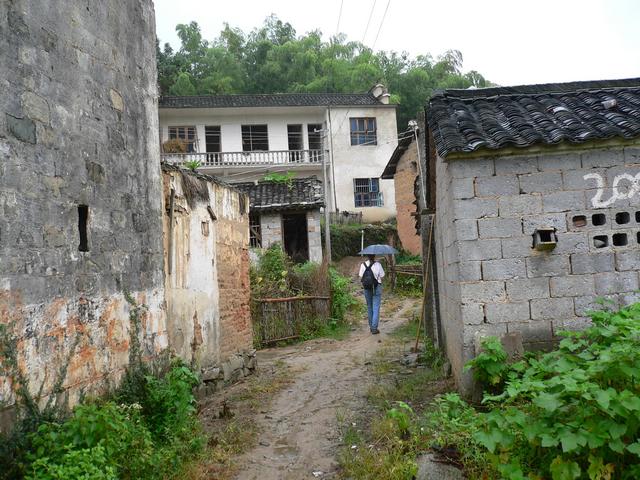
[373,297]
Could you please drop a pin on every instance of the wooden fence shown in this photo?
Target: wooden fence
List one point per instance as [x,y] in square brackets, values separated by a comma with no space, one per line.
[277,319]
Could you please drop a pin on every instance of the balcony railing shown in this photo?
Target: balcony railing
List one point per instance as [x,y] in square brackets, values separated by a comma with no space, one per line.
[244,159]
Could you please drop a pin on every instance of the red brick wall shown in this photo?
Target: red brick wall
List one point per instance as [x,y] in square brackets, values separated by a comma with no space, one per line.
[404,179]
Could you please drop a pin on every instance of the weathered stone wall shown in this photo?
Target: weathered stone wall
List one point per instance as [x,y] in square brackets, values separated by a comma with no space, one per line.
[404,179]
[78,113]
[271,228]
[207,273]
[486,264]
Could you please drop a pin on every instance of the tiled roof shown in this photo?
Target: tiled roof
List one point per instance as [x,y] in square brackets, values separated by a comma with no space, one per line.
[270,100]
[500,117]
[299,194]
[390,169]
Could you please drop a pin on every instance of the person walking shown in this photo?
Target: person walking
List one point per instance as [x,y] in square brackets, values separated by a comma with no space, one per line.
[371,274]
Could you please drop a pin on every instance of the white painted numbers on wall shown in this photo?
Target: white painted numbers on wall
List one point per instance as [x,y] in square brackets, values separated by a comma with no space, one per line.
[624,186]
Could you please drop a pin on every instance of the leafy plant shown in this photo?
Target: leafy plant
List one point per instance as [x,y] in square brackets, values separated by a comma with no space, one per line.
[489,366]
[572,413]
[286,178]
[193,165]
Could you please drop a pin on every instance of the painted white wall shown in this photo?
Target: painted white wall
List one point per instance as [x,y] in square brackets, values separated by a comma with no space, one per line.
[357,161]
[363,161]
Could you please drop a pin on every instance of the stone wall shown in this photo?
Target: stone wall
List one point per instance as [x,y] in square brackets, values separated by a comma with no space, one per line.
[314,235]
[491,279]
[207,283]
[77,116]
[404,180]
[271,230]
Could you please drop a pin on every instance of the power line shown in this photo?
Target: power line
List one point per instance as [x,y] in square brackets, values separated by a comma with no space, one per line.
[384,15]
[369,21]
[339,17]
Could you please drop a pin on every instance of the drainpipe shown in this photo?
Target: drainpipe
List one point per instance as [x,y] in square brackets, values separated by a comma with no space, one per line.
[327,219]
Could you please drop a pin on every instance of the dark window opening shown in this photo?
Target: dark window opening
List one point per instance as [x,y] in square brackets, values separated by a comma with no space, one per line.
[295,236]
[580,221]
[83,224]
[545,235]
[255,138]
[367,192]
[638,217]
[363,131]
[295,142]
[599,219]
[622,218]
[619,239]
[255,231]
[187,135]
[213,140]
[314,133]
[638,237]
[600,241]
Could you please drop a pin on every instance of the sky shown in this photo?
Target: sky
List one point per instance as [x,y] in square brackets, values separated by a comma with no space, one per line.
[509,42]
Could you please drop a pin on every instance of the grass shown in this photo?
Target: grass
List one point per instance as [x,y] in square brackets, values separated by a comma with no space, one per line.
[378,445]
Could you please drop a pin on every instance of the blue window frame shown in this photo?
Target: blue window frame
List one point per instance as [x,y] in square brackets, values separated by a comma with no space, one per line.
[363,131]
[367,192]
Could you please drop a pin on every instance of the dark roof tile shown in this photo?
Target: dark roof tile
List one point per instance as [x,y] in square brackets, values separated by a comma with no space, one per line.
[501,117]
[270,100]
[300,194]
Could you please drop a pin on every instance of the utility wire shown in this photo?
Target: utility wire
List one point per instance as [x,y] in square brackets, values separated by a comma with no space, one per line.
[384,15]
[339,17]
[369,21]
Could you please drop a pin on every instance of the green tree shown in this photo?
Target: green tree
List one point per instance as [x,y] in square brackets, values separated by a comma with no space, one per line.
[274,59]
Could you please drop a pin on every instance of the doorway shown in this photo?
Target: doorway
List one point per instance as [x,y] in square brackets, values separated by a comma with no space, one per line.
[295,237]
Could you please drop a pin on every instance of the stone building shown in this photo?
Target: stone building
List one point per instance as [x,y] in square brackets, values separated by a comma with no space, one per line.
[81,210]
[206,238]
[537,197]
[403,170]
[287,213]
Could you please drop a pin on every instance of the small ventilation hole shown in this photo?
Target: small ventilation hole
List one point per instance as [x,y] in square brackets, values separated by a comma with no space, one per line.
[600,241]
[622,218]
[599,219]
[580,221]
[619,239]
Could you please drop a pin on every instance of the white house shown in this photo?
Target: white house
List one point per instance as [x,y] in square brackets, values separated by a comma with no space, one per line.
[346,139]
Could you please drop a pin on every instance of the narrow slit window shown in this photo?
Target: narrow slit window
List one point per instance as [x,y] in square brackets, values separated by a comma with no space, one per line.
[580,221]
[599,219]
[600,241]
[619,239]
[83,225]
[622,218]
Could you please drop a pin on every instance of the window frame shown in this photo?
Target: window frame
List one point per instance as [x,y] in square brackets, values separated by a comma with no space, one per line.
[363,131]
[368,195]
[249,141]
[181,132]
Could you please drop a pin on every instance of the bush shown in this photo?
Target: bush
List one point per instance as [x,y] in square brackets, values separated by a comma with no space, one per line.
[572,413]
[175,145]
[346,239]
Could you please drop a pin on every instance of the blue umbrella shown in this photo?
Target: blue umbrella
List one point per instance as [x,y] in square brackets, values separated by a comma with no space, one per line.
[379,250]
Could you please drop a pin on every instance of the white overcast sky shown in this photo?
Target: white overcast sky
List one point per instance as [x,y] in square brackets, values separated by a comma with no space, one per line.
[510,42]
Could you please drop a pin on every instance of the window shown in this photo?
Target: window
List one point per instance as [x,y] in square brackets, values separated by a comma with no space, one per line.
[367,192]
[186,134]
[213,144]
[363,131]
[255,232]
[254,138]
[295,142]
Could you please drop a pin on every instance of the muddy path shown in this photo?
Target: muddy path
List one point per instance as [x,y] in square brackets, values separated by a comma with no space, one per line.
[299,428]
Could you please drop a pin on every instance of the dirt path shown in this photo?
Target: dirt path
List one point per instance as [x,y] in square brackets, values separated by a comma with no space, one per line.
[300,427]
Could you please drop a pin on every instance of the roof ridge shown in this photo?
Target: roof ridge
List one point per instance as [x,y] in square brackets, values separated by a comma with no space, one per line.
[365,94]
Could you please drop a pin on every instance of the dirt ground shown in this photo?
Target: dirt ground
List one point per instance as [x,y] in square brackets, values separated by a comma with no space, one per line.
[325,382]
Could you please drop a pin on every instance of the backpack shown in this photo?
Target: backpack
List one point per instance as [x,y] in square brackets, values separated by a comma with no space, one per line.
[368,278]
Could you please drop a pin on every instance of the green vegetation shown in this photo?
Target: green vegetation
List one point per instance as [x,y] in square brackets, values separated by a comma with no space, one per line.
[274,59]
[193,165]
[408,285]
[573,413]
[346,239]
[286,178]
[277,276]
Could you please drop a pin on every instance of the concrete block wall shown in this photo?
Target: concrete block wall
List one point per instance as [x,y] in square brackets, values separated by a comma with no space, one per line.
[489,209]
[77,116]
[271,228]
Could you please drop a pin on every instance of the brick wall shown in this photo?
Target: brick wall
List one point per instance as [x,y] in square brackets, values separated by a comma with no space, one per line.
[404,179]
[493,282]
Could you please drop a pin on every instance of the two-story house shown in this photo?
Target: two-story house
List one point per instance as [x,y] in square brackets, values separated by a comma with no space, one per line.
[344,140]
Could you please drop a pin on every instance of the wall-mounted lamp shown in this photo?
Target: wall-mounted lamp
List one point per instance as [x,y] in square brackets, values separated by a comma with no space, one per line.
[544,239]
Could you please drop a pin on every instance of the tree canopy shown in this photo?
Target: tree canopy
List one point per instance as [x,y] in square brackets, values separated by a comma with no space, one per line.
[274,59]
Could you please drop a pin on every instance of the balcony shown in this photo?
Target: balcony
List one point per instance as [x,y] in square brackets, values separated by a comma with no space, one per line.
[291,158]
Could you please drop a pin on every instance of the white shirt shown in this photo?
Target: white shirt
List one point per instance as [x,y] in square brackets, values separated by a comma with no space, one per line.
[377,270]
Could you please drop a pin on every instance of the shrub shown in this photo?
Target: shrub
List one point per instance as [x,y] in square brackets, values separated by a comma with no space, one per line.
[574,412]
[193,165]
[346,239]
[489,366]
[174,145]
